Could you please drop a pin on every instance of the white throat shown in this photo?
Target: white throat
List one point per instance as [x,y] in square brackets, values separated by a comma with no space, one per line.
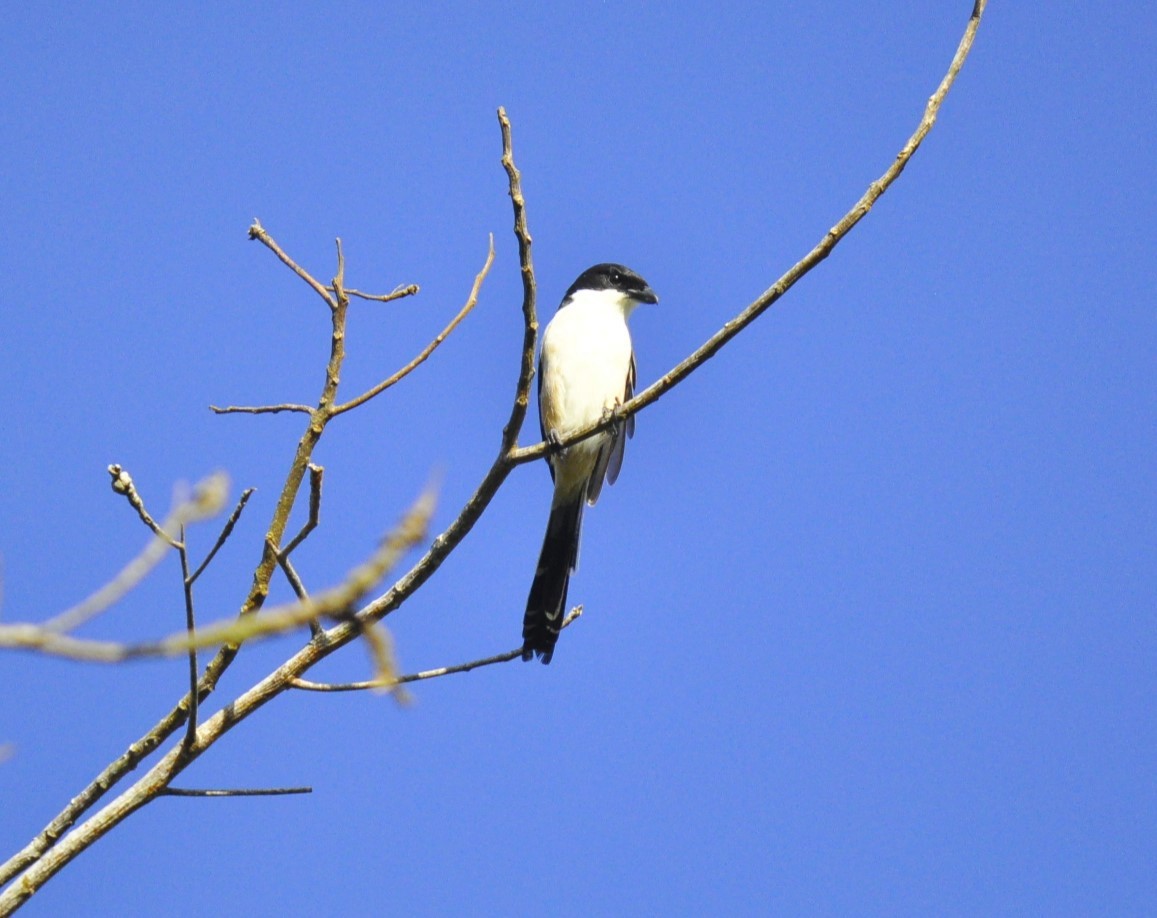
[602,300]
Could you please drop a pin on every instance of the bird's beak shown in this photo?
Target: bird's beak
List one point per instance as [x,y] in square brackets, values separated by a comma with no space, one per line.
[646,295]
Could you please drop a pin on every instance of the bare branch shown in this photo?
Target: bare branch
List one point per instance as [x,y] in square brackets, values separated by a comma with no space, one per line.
[295,581]
[316,476]
[384,660]
[405,371]
[396,294]
[225,533]
[260,409]
[338,285]
[122,483]
[190,629]
[233,792]
[822,249]
[370,684]
[529,289]
[257,231]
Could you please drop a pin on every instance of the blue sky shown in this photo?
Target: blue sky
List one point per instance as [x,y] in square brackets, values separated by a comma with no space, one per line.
[870,614]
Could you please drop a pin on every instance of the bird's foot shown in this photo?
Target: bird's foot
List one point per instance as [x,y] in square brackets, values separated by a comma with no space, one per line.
[614,412]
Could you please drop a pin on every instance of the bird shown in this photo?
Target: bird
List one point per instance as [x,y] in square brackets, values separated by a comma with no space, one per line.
[586,370]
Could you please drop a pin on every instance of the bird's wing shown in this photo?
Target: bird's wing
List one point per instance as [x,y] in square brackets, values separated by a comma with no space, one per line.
[541,420]
[619,443]
[610,458]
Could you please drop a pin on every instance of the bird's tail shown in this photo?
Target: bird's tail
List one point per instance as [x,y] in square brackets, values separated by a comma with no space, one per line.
[544,606]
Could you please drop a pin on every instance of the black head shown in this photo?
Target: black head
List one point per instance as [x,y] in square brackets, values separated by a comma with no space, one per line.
[614,277]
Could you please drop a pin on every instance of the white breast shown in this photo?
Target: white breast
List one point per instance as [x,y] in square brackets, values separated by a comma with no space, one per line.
[586,356]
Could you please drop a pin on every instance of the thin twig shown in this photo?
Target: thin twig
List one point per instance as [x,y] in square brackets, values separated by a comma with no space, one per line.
[429,349]
[191,630]
[396,294]
[260,409]
[370,684]
[383,659]
[225,533]
[338,283]
[298,587]
[529,288]
[316,476]
[122,483]
[257,231]
[233,792]
[295,581]
[453,534]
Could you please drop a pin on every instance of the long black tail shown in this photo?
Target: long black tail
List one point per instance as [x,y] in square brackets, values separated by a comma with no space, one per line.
[547,600]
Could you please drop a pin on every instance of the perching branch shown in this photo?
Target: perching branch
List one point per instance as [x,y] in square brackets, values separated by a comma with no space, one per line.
[529,289]
[453,534]
[822,250]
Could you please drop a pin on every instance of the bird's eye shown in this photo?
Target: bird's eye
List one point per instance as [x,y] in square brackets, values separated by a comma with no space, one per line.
[616,278]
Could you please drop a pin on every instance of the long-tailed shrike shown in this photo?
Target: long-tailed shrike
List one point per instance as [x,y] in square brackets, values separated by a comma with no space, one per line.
[586,369]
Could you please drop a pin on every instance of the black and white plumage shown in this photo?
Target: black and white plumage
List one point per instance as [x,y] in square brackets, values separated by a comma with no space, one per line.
[586,369]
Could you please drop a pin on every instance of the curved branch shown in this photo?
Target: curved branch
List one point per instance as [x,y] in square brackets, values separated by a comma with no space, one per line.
[529,289]
[822,250]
